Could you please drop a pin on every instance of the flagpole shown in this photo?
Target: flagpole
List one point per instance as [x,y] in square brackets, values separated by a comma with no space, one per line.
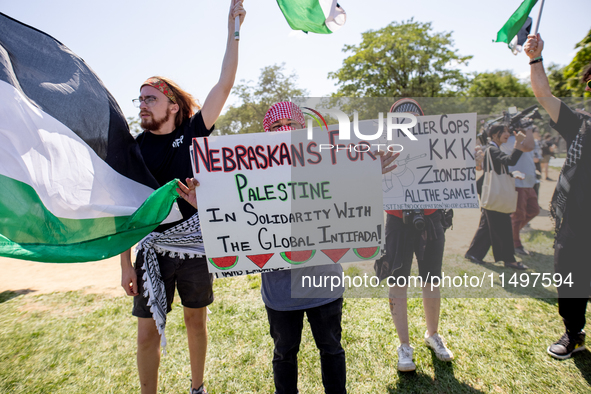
[237,27]
[539,17]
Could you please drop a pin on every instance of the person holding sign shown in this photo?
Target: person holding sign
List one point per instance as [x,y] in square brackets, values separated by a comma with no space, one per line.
[495,227]
[286,298]
[418,232]
[570,206]
[286,314]
[322,306]
[173,254]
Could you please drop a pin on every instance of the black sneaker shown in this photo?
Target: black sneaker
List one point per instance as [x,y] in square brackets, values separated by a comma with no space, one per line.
[567,345]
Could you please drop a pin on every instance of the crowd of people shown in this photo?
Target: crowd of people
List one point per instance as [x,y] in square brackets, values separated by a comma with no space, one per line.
[172,257]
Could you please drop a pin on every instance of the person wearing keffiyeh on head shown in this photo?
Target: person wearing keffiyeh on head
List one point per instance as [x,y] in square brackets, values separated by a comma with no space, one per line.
[322,307]
[283,116]
[173,254]
[286,314]
[570,207]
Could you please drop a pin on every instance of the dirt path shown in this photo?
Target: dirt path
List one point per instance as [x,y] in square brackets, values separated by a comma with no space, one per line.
[104,276]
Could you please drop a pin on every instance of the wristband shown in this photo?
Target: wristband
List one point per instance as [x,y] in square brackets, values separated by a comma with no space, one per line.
[536,60]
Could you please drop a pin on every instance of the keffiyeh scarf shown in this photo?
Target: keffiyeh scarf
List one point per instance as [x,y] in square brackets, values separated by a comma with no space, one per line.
[183,240]
[283,110]
[558,203]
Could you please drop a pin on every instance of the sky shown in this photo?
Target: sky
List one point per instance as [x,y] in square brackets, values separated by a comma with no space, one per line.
[127,41]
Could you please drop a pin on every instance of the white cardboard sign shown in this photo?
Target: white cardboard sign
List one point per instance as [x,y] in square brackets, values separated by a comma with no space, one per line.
[437,171]
[272,201]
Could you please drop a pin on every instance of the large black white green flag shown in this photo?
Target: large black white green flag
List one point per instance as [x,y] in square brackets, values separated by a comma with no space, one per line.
[73,184]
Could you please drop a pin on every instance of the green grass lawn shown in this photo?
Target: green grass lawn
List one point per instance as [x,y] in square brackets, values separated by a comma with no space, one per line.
[76,343]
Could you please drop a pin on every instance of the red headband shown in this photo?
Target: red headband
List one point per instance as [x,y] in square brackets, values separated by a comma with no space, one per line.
[283,110]
[160,85]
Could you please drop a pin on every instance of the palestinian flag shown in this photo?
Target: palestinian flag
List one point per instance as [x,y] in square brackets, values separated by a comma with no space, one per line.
[515,22]
[317,16]
[73,184]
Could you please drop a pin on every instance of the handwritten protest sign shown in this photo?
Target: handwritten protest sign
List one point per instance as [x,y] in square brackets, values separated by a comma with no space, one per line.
[276,200]
[437,171]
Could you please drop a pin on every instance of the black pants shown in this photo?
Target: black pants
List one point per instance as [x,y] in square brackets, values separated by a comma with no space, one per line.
[571,257]
[494,229]
[286,330]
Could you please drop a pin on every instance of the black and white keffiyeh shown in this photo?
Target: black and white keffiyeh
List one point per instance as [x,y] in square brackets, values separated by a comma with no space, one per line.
[558,203]
[183,240]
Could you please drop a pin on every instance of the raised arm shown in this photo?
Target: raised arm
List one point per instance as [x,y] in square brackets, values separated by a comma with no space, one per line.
[528,143]
[214,103]
[539,81]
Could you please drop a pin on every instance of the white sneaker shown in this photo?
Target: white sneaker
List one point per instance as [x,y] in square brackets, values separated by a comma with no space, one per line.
[437,343]
[405,363]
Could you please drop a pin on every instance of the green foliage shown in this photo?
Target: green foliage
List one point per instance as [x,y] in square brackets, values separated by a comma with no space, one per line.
[353,271]
[401,60]
[134,125]
[498,84]
[256,98]
[72,343]
[557,80]
[572,72]
[494,92]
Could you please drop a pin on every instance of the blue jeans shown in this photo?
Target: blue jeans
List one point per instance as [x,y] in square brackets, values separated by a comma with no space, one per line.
[286,331]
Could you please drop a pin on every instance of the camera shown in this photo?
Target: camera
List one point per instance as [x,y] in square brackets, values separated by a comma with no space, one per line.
[513,120]
[415,217]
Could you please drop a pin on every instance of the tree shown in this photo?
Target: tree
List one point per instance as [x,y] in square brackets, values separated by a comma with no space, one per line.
[401,60]
[557,80]
[498,84]
[273,86]
[494,92]
[134,125]
[572,72]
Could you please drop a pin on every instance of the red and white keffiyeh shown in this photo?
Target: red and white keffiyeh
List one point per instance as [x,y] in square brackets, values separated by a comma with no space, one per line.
[283,110]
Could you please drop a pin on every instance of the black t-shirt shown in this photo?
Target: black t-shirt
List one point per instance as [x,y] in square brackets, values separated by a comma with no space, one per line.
[168,156]
[577,214]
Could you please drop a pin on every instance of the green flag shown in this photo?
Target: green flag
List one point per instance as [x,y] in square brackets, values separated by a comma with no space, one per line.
[317,16]
[515,22]
[73,184]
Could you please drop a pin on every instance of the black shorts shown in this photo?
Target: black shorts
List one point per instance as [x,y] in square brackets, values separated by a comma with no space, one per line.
[190,276]
[403,241]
